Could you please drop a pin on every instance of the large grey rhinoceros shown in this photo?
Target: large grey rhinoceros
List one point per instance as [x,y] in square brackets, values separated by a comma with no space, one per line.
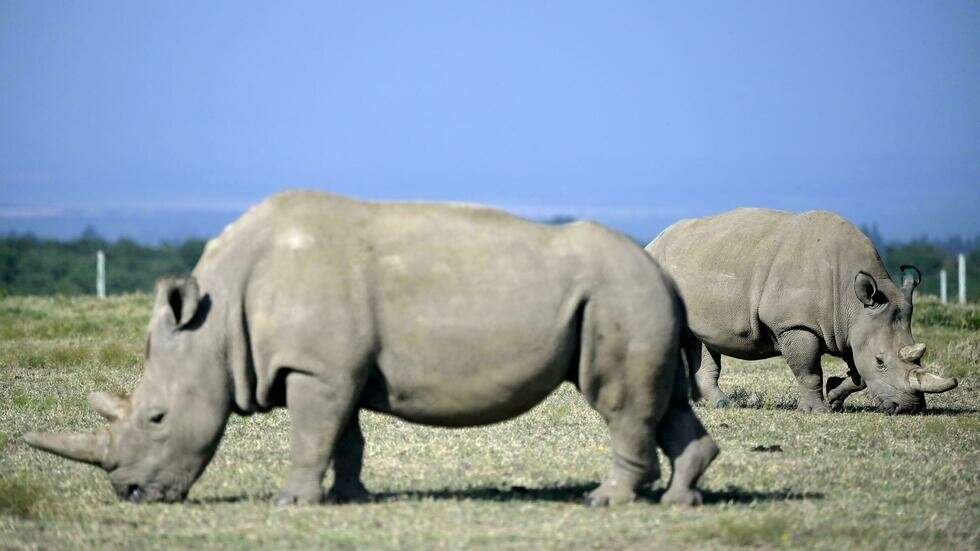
[759,283]
[447,315]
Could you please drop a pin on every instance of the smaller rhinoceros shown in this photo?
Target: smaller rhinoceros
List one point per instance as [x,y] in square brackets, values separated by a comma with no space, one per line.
[759,283]
[438,314]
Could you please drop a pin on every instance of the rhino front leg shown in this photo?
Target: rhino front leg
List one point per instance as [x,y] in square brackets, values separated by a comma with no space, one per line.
[318,413]
[347,462]
[707,378]
[839,388]
[801,349]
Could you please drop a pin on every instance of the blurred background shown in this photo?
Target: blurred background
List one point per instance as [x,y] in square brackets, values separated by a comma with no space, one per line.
[142,129]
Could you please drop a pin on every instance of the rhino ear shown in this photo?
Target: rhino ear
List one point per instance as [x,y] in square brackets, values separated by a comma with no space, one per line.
[177,299]
[865,288]
[911,277]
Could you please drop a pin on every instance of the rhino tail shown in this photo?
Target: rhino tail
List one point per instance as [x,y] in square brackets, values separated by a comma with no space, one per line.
[690,347]
[691,357]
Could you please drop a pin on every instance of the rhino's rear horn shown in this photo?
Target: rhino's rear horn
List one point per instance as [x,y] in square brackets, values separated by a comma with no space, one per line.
[923,381]
[110,406]
[87,448]
[913,352]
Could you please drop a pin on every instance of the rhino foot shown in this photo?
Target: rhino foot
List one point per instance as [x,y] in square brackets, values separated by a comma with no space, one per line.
[609,494]
[813,407]
[349,493]
[685,497]
[287,497]
[715,398]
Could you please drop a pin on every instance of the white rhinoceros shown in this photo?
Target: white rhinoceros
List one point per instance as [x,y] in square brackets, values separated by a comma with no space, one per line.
[759,283]
[438,314]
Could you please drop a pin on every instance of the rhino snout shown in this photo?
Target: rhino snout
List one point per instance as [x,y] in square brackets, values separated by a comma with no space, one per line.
[150,493]
[894,407]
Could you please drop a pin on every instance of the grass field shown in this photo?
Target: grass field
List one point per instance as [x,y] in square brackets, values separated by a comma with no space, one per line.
[852,480]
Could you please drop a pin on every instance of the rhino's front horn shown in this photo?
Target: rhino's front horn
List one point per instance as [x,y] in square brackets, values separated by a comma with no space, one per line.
[110,406]
[923,381]
[87,448]
[912,352]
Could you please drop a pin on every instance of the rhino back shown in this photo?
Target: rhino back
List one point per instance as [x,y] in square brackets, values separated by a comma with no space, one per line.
[749,274]
[465,314]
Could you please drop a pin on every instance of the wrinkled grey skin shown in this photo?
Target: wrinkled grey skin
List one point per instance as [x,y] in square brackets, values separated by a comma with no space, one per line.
[759,283]
[438,314]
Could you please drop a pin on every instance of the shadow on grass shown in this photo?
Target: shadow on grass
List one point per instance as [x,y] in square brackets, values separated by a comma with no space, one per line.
[928,412]
[216,500]
[569,493]
[574,493]
[744,399]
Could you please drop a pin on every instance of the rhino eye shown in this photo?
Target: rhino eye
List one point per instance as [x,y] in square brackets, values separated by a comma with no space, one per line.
[157,418]
[880,361]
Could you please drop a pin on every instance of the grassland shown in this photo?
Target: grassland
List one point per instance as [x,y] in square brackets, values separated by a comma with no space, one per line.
[852,480]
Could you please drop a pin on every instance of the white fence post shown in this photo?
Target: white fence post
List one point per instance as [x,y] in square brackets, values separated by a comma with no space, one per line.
[100,274]
[962,278]
[942,286]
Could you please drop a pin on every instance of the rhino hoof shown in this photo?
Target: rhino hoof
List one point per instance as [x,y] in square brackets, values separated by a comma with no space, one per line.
[285,499]
[813,408]
[348,494]
[686,497]
[609,494]
[595,501]
[837,406]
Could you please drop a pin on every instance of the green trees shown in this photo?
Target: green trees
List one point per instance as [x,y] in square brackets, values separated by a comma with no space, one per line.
[32,266]
[930,258]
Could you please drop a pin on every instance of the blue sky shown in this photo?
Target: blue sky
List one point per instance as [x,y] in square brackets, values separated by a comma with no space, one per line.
[177,115]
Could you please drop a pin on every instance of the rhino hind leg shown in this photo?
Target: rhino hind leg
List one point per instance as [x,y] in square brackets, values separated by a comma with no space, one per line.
[801,349]
[634,461]
[690,450]
[318,414]
[623,387]
[347,461]
[707,375]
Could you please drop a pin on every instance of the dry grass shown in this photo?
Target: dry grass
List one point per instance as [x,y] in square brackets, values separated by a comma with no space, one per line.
[854,480]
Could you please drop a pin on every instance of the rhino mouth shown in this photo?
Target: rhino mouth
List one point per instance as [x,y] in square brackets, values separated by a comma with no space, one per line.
[898,407]
[149,493]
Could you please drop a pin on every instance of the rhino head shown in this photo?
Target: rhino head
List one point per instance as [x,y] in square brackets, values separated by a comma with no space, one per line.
[884,352]
[160,438]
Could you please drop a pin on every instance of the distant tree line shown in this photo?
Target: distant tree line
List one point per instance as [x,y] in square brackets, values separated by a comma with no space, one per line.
[34,266]
[930,256]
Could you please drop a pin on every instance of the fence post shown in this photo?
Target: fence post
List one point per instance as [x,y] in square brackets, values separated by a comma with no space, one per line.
[962,278]
[942,286]
[100,274]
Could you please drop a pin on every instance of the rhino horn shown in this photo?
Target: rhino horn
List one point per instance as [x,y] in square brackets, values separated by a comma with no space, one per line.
[912,352]
[110,406]
[923,381]
[87,448]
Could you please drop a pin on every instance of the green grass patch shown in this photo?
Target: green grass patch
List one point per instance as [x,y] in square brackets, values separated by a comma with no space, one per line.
[767,531]
[20,496]
[853,480]
[929,311]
